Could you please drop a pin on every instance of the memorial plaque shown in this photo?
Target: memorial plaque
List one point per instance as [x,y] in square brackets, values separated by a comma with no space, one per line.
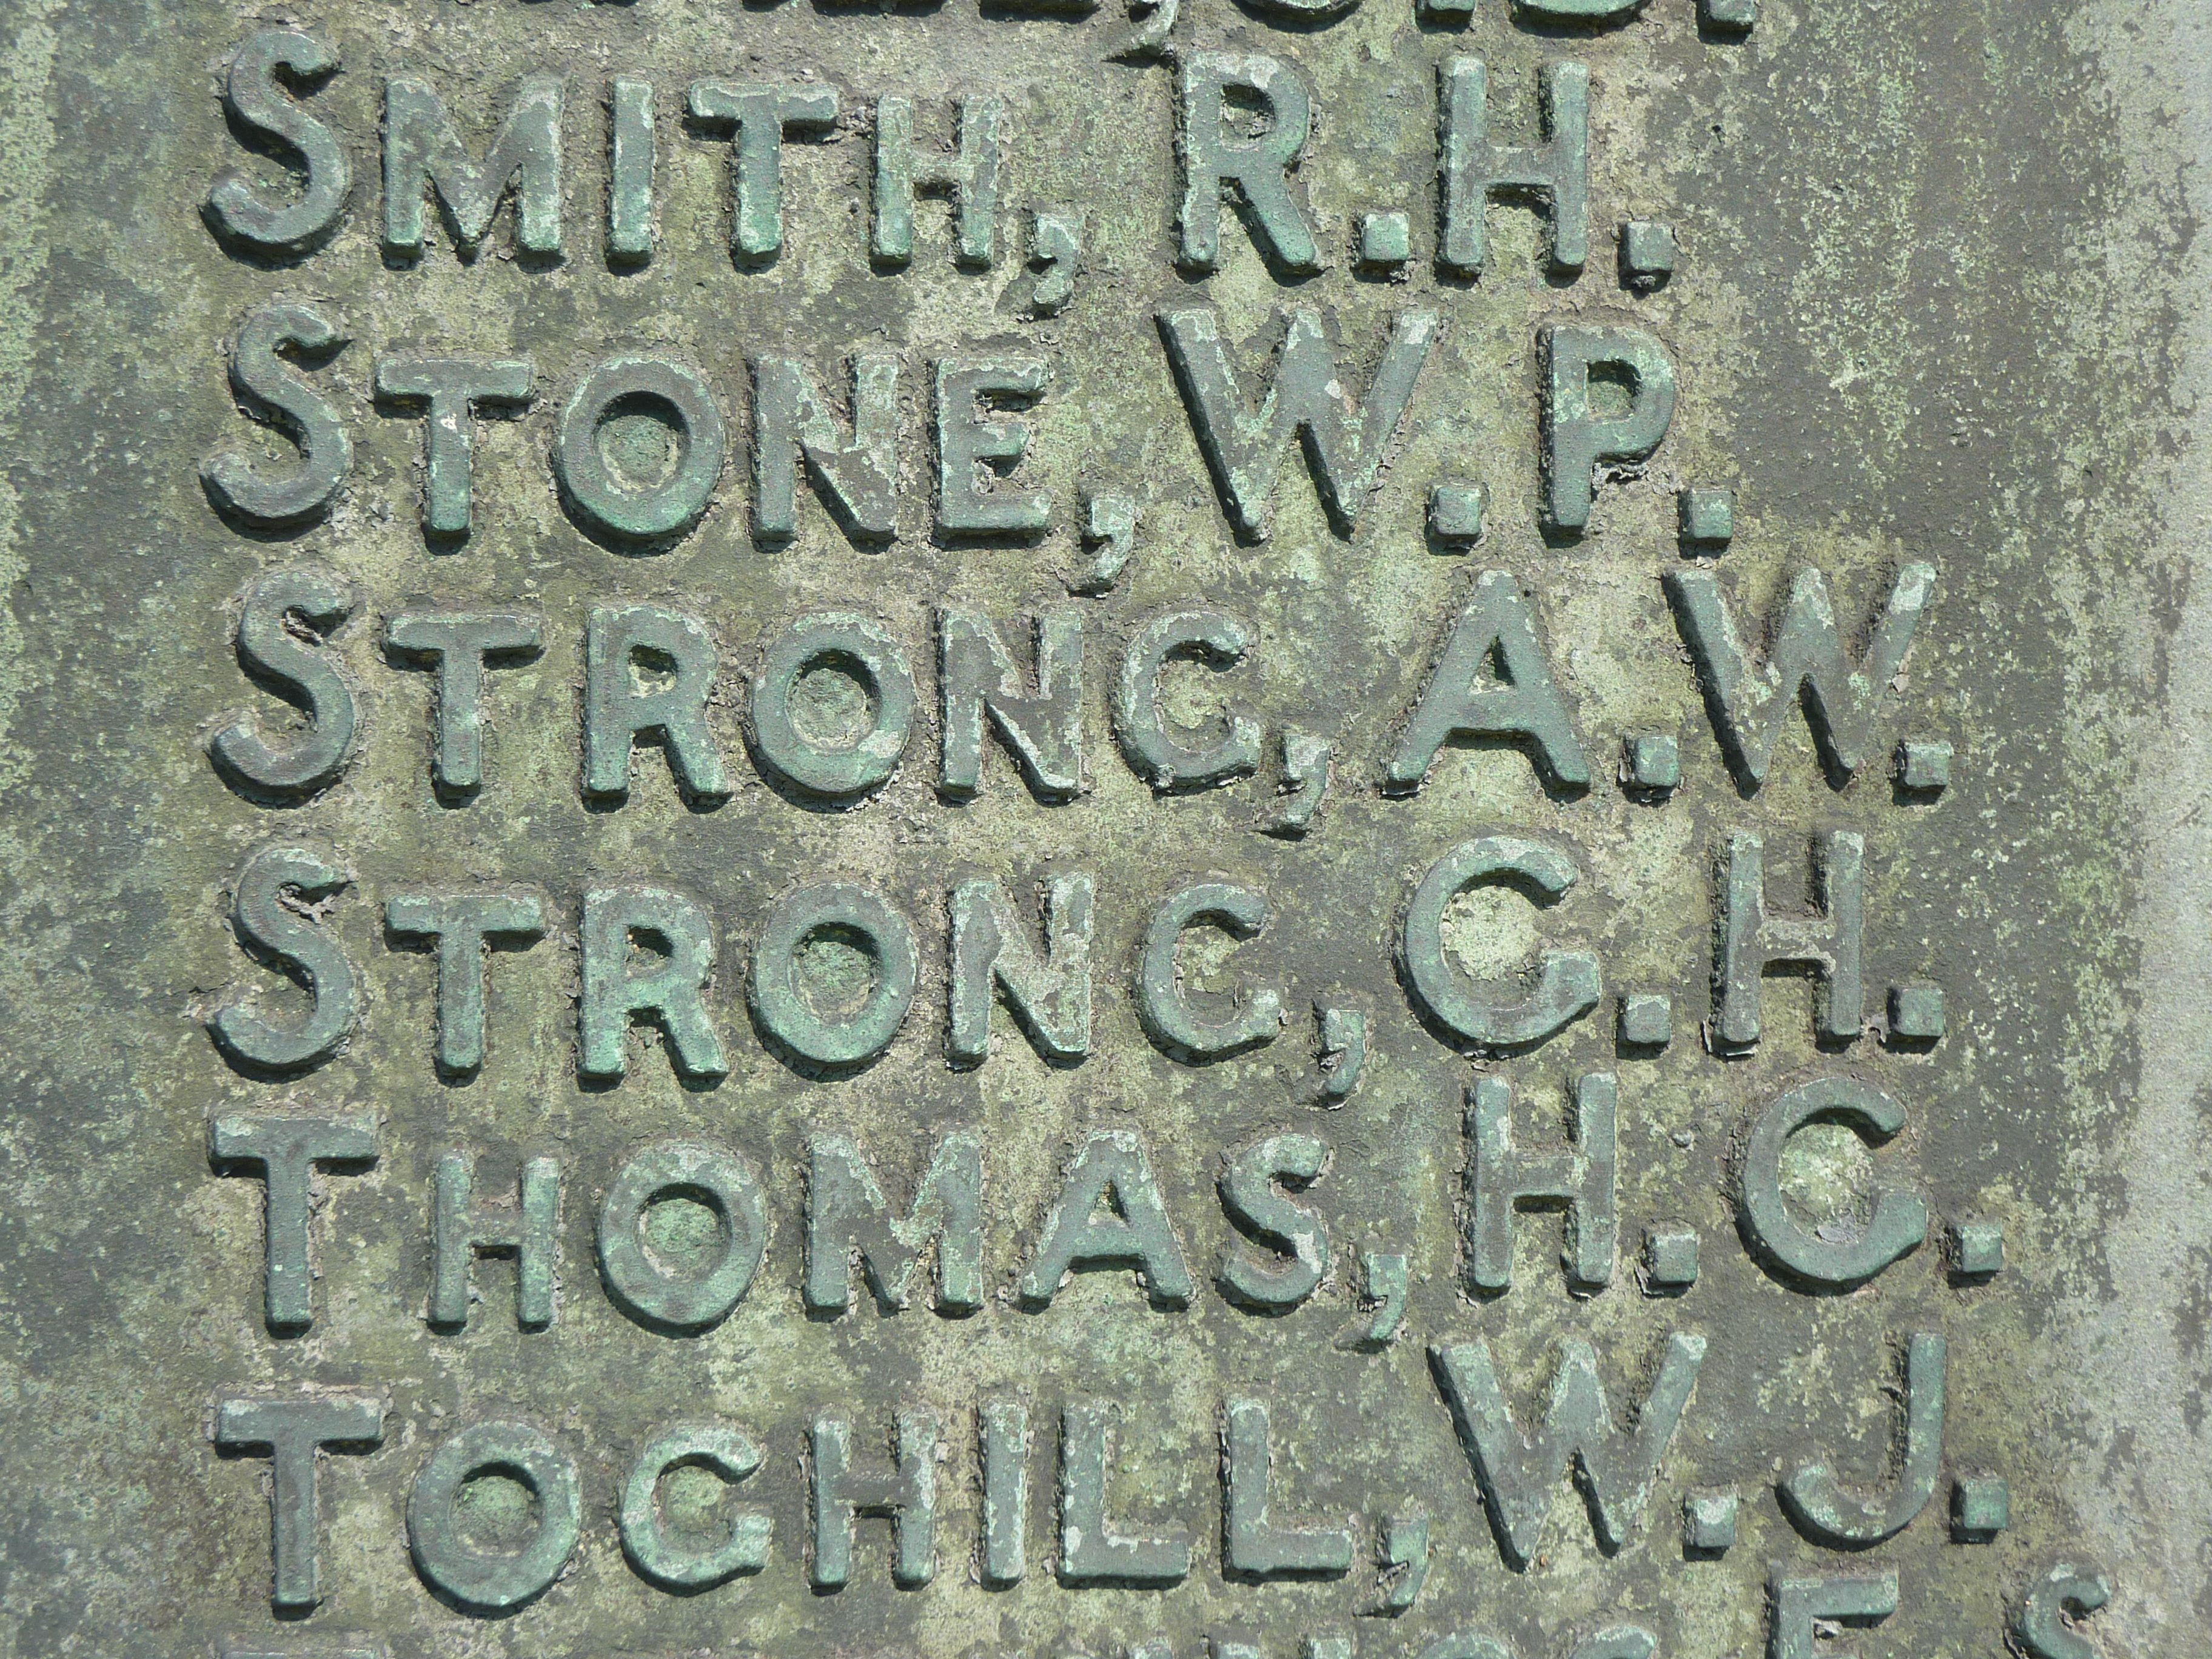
[1106,829]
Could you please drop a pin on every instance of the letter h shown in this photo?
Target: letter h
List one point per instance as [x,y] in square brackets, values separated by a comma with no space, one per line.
[461,1230]
[905,1494]
[1474,169]
[1578,1178]
[970,178]
[1749,941]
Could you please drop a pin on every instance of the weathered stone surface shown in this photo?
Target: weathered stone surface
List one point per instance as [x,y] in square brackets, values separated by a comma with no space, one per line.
[1033,831]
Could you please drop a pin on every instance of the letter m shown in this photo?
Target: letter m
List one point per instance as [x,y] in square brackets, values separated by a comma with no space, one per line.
[848,1213]
[1750,701]
[420,143]
[1344,442]
[1518,1475]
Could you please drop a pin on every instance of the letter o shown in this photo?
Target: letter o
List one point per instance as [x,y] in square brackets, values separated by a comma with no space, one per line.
[643,1286]
[593,490]
[494,1580]
[854,646]
[872,926]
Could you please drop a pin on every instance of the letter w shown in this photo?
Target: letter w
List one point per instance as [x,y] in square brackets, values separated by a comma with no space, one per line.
[1750,701]
[846,1211]
[1344,442]
[1518,1475]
